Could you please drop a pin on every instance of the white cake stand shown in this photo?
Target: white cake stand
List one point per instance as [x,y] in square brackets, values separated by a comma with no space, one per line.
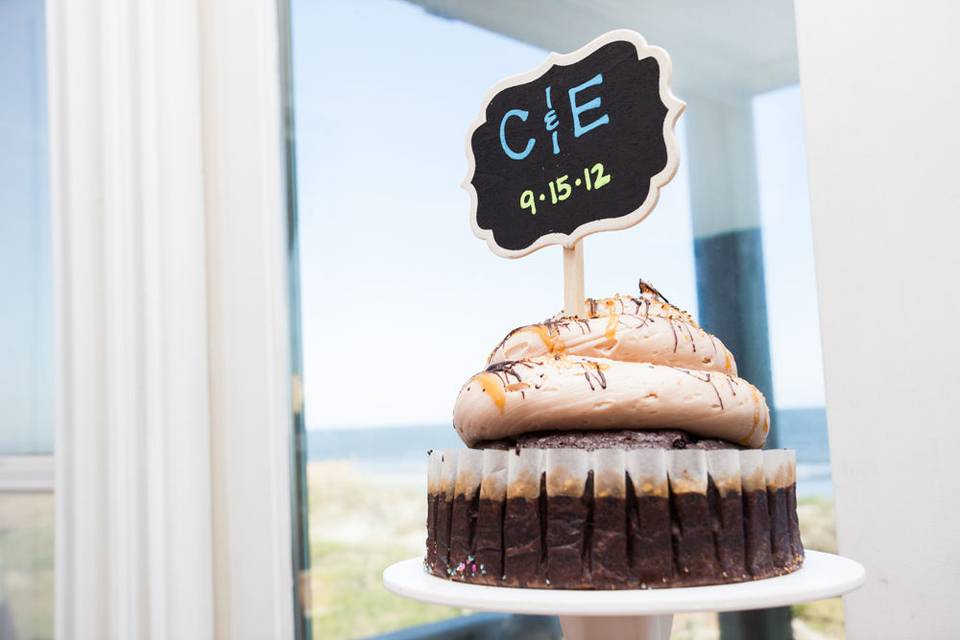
[634,614]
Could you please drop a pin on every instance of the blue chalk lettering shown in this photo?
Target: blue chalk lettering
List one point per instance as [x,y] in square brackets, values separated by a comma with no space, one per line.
[551,121]
[514,113]
[577,109]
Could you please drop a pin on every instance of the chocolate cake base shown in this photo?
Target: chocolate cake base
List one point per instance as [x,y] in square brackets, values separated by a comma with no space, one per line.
[609,439]
[612,519]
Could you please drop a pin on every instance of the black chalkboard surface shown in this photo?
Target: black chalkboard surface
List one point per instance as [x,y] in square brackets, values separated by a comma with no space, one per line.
[581,144]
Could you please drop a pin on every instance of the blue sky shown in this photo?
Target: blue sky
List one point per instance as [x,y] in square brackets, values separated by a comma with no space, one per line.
[401,303]
[26,281]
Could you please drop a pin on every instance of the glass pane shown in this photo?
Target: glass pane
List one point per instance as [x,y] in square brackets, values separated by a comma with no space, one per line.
[26,324]
[790,286]
[26,330]
[400,303]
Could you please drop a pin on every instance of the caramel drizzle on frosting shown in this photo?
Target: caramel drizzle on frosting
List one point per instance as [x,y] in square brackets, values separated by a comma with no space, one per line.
[619,316]
[613,321]
[616,310]
[501,377]
[495,381]
[490,385]
[550,337]
[757,403]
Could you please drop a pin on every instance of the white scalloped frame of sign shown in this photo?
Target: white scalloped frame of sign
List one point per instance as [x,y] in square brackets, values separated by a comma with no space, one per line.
[675,107]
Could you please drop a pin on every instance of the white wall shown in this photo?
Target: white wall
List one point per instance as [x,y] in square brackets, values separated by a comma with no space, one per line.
[881,88]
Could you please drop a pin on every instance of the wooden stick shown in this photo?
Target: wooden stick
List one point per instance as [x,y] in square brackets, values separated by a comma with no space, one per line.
[573,302]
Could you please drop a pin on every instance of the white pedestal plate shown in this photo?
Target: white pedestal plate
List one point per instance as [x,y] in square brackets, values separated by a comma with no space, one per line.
[635,614]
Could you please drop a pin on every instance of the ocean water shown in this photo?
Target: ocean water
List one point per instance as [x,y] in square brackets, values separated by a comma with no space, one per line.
[403,449]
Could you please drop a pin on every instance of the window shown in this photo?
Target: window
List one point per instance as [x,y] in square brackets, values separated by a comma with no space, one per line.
[400,303]
[26,330]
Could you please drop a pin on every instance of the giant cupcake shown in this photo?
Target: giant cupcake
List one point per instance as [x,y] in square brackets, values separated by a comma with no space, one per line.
[614,451]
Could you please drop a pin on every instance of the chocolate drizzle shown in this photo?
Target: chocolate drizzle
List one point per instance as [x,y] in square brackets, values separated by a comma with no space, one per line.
[593,372]
[636,317]
[509,335]
[539,382]
[708,378]
[507,369]
[693,341]
[554,325]
[733,385]
[646,287]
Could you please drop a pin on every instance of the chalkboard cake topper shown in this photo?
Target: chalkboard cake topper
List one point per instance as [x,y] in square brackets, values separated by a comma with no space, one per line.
[581,144]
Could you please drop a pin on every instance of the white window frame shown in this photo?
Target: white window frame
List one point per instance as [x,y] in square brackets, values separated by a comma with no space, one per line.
[26,473]
[173,402]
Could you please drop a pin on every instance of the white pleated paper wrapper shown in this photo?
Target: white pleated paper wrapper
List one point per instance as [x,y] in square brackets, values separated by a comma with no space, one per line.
[517,473]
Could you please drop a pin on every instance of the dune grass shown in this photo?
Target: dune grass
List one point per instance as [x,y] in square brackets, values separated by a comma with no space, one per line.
[26,562]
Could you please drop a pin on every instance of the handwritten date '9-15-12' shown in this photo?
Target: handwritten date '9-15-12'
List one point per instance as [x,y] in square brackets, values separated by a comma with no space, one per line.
[560,189]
